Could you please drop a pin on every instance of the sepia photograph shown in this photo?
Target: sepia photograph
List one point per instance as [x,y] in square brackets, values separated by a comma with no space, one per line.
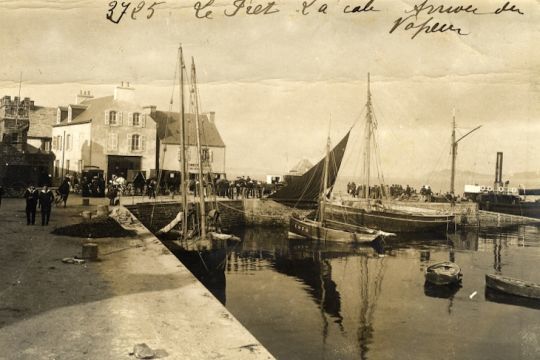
[269,179]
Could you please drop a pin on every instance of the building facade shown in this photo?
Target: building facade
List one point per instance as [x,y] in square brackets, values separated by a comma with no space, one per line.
[213,147]
[25,155]
[112,133]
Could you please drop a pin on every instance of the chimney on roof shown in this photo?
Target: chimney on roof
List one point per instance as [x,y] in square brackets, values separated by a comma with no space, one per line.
[149,110]
[212,117]
[124,93]
[83,96]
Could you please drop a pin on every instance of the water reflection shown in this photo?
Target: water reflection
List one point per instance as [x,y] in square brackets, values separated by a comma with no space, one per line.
[347,302]
[502,298]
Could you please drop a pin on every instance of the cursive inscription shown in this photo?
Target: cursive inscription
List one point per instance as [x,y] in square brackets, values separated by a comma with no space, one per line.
[421,19]
[348,9]
[258,9]
[117,10]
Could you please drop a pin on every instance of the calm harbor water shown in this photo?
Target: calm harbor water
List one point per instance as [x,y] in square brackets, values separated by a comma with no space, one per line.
[305,300]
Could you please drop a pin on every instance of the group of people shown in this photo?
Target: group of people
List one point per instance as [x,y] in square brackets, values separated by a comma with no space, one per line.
[43,200]
[375,191]
[244,187]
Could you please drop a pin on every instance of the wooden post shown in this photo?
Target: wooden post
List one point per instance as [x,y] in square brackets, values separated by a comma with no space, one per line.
[90,251]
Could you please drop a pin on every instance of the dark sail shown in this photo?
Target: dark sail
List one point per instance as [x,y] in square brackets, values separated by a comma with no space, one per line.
[305,190]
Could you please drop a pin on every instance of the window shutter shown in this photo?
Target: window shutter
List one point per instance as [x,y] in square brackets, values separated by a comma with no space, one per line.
[211,156]
[129,142]
[60,141]
[143,120]
[54,142]
[142,142]
[107,117]
[120,116]
[130,119]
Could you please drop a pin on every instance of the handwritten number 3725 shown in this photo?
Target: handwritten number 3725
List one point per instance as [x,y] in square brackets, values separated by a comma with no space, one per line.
[123,8]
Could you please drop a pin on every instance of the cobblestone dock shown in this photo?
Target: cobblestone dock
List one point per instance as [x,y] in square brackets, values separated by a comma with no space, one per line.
[137,292]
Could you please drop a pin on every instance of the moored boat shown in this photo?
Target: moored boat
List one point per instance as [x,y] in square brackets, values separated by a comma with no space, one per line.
[513,286]
[392,220]
[443,273]
[315,230]
[372,212]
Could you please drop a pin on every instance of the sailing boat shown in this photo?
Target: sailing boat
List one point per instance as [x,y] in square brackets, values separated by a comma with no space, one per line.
[381,216]
[197,237]
[318,229]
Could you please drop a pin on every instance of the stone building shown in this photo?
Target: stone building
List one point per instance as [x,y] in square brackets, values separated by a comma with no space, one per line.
[213,147]
[113,133]
[25,155]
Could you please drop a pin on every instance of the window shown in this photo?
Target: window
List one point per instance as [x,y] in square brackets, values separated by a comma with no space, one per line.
[68,142]
[112,143]
[56,168]
[136,119]
[206,155]
[54,142]
[135,142]
[113,118]
[67,166]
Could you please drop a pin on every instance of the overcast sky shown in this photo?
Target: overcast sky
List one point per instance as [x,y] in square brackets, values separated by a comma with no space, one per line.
[274,81]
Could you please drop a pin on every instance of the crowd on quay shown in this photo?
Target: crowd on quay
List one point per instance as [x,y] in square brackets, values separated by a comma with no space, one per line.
[242,187]
[398,192]
[43,199]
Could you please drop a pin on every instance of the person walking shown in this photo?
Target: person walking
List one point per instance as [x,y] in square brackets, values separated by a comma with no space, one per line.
[63,190]
[31,195]
[46,198]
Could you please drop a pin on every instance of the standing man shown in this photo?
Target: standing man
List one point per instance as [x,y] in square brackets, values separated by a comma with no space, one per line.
[63,190]
[46,198]
[31,195]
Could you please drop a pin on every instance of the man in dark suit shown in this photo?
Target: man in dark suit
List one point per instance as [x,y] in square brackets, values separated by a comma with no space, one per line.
[31,195]
[46,198]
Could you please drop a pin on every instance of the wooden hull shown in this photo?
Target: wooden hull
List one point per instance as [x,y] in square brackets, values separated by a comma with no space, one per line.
[389,220]
[513,286]
[444,273]
[314,230]
[528,209]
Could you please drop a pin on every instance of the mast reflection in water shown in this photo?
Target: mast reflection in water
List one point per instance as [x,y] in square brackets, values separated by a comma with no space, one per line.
[305,300]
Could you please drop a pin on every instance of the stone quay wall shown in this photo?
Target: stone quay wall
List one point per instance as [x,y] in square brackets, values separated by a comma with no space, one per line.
[155,215]
[267,212]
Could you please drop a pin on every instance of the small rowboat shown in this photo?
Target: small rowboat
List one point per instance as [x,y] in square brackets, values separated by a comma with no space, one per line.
[513,286]
[443,273]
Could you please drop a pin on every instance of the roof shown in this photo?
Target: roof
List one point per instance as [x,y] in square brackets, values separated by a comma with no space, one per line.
[168,129]
[95,108]
[300,168]
[41,121]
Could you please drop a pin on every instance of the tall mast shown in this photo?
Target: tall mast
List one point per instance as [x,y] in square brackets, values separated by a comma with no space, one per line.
[367,149]
[183,163]
[199,150]
[325,181]
[454,154]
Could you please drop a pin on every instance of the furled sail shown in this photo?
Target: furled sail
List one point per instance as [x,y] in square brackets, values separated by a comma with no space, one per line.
[305,190]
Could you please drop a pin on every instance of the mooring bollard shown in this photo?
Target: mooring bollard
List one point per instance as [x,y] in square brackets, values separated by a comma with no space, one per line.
[86,202]
[90,251]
